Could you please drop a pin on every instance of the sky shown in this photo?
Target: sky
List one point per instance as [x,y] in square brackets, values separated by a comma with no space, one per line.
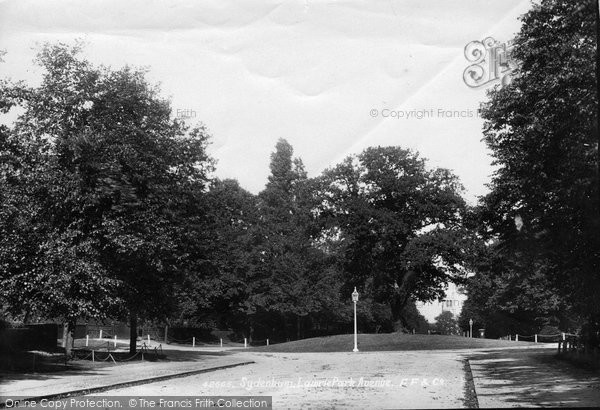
[331,77]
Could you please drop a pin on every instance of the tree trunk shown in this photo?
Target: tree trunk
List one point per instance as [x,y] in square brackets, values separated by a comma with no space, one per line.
[67,339]
[132,333]
[286,328]
[398,303]
[298,327]
[401,296]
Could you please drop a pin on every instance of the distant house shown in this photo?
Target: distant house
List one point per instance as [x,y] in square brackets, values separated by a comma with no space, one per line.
[453,302]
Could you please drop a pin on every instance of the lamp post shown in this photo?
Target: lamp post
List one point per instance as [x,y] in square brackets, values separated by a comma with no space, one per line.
[355,299]
[470,327]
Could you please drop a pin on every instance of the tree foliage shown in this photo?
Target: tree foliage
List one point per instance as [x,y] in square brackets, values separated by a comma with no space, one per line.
[446,324]
[107,210]
[398,225]
[543,210]
[112,186]
[297,278]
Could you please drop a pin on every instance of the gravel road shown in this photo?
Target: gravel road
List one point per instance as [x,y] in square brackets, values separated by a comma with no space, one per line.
[417,379]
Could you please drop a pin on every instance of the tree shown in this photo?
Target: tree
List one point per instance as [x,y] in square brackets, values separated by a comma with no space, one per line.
[542,130]
[233,257]
[398,225]
[295,278]
[115,186]
[511,294]
[414,320]
[446,324]
[42,271]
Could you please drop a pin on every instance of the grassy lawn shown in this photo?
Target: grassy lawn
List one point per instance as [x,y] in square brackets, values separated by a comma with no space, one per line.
[385,342]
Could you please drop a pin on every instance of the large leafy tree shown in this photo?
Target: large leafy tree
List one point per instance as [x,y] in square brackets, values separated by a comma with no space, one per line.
[114,187]
[504,301]
[232,259]
[398,225]
[542,130]
[43,272]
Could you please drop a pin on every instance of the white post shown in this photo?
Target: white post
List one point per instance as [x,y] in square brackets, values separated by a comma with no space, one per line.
[115,340]
[93,359]
[221,342]
[535,340]
[355,299]
[245,343]
[470,328]
[355,331]
[516,337]
[148,340]
[193,341]
[87,340]
[267,342]
[100,333]
[563,336]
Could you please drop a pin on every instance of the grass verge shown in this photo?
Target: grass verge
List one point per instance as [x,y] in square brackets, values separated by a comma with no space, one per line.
[386,342]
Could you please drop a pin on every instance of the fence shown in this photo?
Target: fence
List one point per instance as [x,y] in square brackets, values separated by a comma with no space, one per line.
[99,331]
[573,349]
[569,343]
[194,342]
[538,338]
[101,352]
[96,340]
[570,347]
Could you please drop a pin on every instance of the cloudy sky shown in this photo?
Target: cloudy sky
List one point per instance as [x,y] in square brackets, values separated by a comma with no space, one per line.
[326,75]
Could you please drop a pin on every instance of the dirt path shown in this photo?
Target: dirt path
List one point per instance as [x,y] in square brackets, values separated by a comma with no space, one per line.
[513,377]
[531,378]
[417,379]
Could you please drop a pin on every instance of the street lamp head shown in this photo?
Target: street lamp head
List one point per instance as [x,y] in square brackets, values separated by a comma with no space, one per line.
[355,295]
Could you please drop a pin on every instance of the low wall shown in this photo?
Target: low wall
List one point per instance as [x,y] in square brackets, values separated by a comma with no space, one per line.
[29,337]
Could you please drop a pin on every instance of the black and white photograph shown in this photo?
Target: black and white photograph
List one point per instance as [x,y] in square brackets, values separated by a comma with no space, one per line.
[299,204]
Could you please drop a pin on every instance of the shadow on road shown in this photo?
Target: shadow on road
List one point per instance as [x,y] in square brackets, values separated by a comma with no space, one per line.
[532,377]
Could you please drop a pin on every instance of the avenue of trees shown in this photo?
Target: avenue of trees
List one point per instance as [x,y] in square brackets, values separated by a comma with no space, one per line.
[109,210]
